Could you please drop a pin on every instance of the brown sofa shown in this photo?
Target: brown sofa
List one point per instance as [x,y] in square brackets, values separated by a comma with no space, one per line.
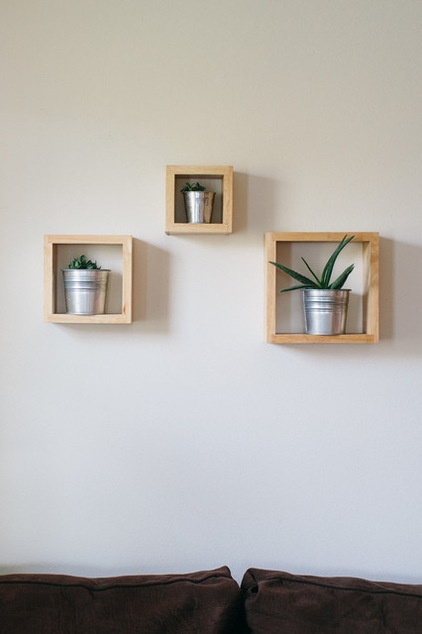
[207,602]
[295,604]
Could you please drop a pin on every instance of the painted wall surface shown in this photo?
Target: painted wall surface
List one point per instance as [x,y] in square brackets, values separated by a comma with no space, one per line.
[184,441]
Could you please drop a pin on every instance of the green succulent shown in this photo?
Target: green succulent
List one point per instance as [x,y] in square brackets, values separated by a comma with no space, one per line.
[83,263]
[325,280]
[193,187]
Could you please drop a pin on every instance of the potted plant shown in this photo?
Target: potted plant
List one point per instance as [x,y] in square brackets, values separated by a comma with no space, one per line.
[198,203]
[85,287]
[325,302]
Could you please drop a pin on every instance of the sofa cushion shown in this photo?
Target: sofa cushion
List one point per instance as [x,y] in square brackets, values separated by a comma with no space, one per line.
[204,602]
[279,602]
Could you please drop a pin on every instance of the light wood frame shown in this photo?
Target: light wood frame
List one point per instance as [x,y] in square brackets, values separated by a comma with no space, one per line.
[177,175]
[370,260]
[51,245]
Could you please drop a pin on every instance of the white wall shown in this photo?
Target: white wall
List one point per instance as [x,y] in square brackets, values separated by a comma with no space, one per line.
[184,441]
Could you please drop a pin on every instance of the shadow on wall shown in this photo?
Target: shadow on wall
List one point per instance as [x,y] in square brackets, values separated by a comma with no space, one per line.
[256,203]
[400,298]
[151,270]
[77,568]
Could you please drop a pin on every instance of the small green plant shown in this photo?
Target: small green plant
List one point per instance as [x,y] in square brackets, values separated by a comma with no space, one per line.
[83,263]
[325,280]
[193,187]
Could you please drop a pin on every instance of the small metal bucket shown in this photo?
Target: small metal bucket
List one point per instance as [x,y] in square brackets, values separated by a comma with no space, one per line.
[85,290]
[325,311]
[198,206]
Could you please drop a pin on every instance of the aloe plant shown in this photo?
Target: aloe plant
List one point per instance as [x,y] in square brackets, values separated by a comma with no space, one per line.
[324,281]
[83,263]
[193,187]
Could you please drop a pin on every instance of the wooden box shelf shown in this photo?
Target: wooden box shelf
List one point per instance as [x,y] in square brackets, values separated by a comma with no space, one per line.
[113,252]
[215,178]
[284,310]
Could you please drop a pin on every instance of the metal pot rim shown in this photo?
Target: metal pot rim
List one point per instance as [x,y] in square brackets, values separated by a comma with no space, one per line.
[329,290]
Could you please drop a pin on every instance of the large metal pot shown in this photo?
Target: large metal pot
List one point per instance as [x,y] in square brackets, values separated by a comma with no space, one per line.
[325,311]
[198,206]
[85,290]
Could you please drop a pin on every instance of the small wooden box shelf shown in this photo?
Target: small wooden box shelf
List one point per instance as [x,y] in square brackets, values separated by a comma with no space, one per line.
[215,178]
[117,250]
[365,321]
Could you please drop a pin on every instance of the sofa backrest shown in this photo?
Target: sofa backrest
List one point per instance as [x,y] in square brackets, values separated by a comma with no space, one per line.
[205,602]
[283,603]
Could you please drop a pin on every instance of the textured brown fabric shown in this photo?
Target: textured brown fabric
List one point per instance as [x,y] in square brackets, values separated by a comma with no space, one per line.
[200,602]
[279,603]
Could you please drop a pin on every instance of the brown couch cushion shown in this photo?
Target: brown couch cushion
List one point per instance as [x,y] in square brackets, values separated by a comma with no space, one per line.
[203,602]
[278,602]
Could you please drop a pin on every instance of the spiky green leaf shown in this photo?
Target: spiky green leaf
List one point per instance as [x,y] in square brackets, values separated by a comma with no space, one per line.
[328,268]
[295,275]
[318,281]
[295,288]
[341,280]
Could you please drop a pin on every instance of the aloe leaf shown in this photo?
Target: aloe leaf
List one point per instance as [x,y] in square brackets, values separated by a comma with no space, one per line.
[298,287]
[328,269]
[341,280]
[318,281]
[295,275]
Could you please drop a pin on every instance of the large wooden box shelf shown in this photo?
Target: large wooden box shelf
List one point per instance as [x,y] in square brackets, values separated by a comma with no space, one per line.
[215,178]
[113,252]
[284,310]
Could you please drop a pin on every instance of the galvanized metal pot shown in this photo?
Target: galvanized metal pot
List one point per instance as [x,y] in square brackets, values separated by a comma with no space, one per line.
[198,206]
[325,311]
[85,290]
